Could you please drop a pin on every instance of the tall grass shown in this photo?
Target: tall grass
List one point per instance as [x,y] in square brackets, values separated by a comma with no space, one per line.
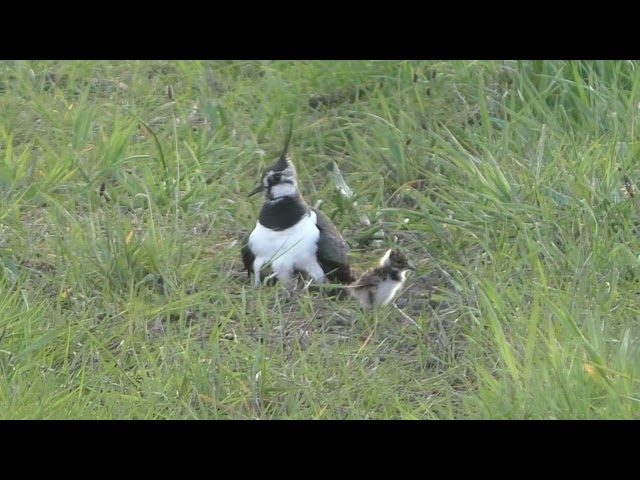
[122,207]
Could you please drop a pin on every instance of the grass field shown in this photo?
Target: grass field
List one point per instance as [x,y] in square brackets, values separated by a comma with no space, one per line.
[122,293]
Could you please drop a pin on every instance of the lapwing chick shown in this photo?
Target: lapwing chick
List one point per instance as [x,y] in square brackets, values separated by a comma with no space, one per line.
[290,236]
[380,285]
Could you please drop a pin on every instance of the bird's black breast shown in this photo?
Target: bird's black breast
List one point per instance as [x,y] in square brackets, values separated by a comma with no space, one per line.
[282,213]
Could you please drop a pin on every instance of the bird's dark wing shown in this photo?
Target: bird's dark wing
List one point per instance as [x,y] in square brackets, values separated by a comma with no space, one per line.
[370,278]
[333,250]
[247,256]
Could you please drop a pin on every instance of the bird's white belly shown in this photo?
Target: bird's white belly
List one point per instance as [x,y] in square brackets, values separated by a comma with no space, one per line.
[387,290]
[288,250]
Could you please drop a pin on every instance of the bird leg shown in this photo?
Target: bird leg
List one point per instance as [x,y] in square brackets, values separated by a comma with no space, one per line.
[256,273]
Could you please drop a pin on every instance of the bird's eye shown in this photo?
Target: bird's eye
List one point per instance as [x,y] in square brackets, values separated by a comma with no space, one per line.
[275,178]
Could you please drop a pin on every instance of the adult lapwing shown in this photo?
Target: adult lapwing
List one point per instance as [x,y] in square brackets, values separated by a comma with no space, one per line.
[290,236]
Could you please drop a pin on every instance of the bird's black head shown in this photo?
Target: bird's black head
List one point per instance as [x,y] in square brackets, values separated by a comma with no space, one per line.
[396,260]
[279,180]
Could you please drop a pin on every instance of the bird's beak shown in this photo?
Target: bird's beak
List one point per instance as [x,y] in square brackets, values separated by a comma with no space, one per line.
[258,189]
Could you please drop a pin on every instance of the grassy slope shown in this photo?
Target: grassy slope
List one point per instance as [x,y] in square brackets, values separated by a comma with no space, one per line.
[502,180]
